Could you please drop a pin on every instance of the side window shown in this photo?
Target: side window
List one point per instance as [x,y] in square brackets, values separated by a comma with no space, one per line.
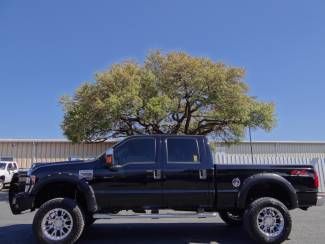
[15,167]
[138,150]
[182,150]
[10,167]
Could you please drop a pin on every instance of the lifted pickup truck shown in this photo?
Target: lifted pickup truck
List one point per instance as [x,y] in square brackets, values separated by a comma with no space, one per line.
[147,174]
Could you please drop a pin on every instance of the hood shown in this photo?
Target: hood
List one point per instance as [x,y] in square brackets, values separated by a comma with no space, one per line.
[56,167]
[46,164]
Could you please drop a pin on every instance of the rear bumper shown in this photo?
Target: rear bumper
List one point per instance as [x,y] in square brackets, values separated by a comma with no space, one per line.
[320,199]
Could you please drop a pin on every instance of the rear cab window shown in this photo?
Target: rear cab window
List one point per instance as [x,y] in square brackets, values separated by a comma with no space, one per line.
[182,151]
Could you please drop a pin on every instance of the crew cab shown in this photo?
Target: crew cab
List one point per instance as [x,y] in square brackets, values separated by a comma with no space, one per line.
[7,170]
[148,174]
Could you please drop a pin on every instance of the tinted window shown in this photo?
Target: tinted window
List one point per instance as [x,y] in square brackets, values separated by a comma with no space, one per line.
[2,166]
[9,167]
[15,166]
[136,151]
[182,150]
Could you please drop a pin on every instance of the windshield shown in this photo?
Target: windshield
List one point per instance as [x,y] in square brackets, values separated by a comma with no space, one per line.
[2,165]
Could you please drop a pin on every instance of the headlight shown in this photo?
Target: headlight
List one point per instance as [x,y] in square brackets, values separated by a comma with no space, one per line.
[33,179]
[30,182]
[27,180]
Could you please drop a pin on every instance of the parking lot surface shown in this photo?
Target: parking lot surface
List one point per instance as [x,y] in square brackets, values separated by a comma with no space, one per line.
[308,227]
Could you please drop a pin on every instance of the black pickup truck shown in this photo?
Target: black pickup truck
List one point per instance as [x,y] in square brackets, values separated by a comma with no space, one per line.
[150,175]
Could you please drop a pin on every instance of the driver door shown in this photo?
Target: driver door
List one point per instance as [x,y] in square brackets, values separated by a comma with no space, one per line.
[136,183]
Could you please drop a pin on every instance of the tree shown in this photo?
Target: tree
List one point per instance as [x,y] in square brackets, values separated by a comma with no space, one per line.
[172,93]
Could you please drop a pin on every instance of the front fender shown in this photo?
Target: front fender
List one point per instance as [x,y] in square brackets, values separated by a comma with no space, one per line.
[81,185]
[262,179]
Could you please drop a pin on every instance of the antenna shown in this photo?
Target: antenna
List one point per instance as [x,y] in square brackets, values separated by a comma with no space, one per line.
[250,143]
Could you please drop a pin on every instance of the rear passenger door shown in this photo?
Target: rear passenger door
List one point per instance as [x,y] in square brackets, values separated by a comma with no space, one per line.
[188,178]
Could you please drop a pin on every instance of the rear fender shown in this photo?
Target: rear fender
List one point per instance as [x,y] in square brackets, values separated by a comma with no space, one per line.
[263,178]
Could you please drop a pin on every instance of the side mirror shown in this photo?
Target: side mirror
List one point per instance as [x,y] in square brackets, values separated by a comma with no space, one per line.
[109,157]
[109,160]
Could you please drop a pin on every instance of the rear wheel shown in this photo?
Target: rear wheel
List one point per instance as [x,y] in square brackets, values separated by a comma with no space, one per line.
[268,220]
[59,220]
[232,218]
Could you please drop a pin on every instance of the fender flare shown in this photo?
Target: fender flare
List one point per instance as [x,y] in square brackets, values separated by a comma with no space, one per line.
[266,178]
[81,185]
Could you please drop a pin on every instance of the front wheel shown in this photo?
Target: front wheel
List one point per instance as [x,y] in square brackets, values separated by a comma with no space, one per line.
[59,220]
[268,220]
[232,218]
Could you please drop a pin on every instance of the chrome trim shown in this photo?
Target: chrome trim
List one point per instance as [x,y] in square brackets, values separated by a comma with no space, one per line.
[155,216]
[270,222]
[57,224]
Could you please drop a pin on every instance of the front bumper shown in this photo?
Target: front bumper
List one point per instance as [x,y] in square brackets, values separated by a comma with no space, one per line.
[19,200]
[320,199]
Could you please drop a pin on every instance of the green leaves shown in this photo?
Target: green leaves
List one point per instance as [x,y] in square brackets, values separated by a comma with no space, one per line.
[171,93]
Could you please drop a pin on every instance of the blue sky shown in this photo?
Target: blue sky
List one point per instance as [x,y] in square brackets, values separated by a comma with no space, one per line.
[48,48]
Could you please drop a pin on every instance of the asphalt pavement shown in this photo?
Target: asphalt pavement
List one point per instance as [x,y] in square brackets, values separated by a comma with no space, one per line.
[308,227]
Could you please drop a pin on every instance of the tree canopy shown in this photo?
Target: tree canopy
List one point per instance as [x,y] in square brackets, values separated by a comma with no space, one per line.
[172,93]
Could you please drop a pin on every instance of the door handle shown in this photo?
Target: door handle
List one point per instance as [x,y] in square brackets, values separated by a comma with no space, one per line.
[203,174]
[157,174]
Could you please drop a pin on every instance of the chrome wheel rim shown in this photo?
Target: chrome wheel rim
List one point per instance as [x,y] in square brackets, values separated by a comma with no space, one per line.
[270,222]
[57,224]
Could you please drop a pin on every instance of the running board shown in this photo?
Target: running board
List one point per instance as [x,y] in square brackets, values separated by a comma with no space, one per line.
[155,216]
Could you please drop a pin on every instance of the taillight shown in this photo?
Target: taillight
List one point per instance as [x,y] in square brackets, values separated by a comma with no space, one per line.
[303,172]
[316,180]
[297,172]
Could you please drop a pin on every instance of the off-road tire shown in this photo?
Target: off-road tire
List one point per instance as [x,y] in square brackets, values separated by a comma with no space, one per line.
[231,218]
[66,204]
[251,223]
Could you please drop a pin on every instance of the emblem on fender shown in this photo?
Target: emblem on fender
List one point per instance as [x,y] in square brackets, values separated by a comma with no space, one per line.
[236,182]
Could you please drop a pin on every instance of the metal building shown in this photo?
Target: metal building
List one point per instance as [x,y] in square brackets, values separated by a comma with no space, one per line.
[268,152]
[28,151]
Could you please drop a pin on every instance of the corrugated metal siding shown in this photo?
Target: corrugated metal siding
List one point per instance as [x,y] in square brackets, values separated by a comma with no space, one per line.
[274,153]
[27,152]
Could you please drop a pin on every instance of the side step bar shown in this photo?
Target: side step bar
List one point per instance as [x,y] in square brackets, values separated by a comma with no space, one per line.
[155,216]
